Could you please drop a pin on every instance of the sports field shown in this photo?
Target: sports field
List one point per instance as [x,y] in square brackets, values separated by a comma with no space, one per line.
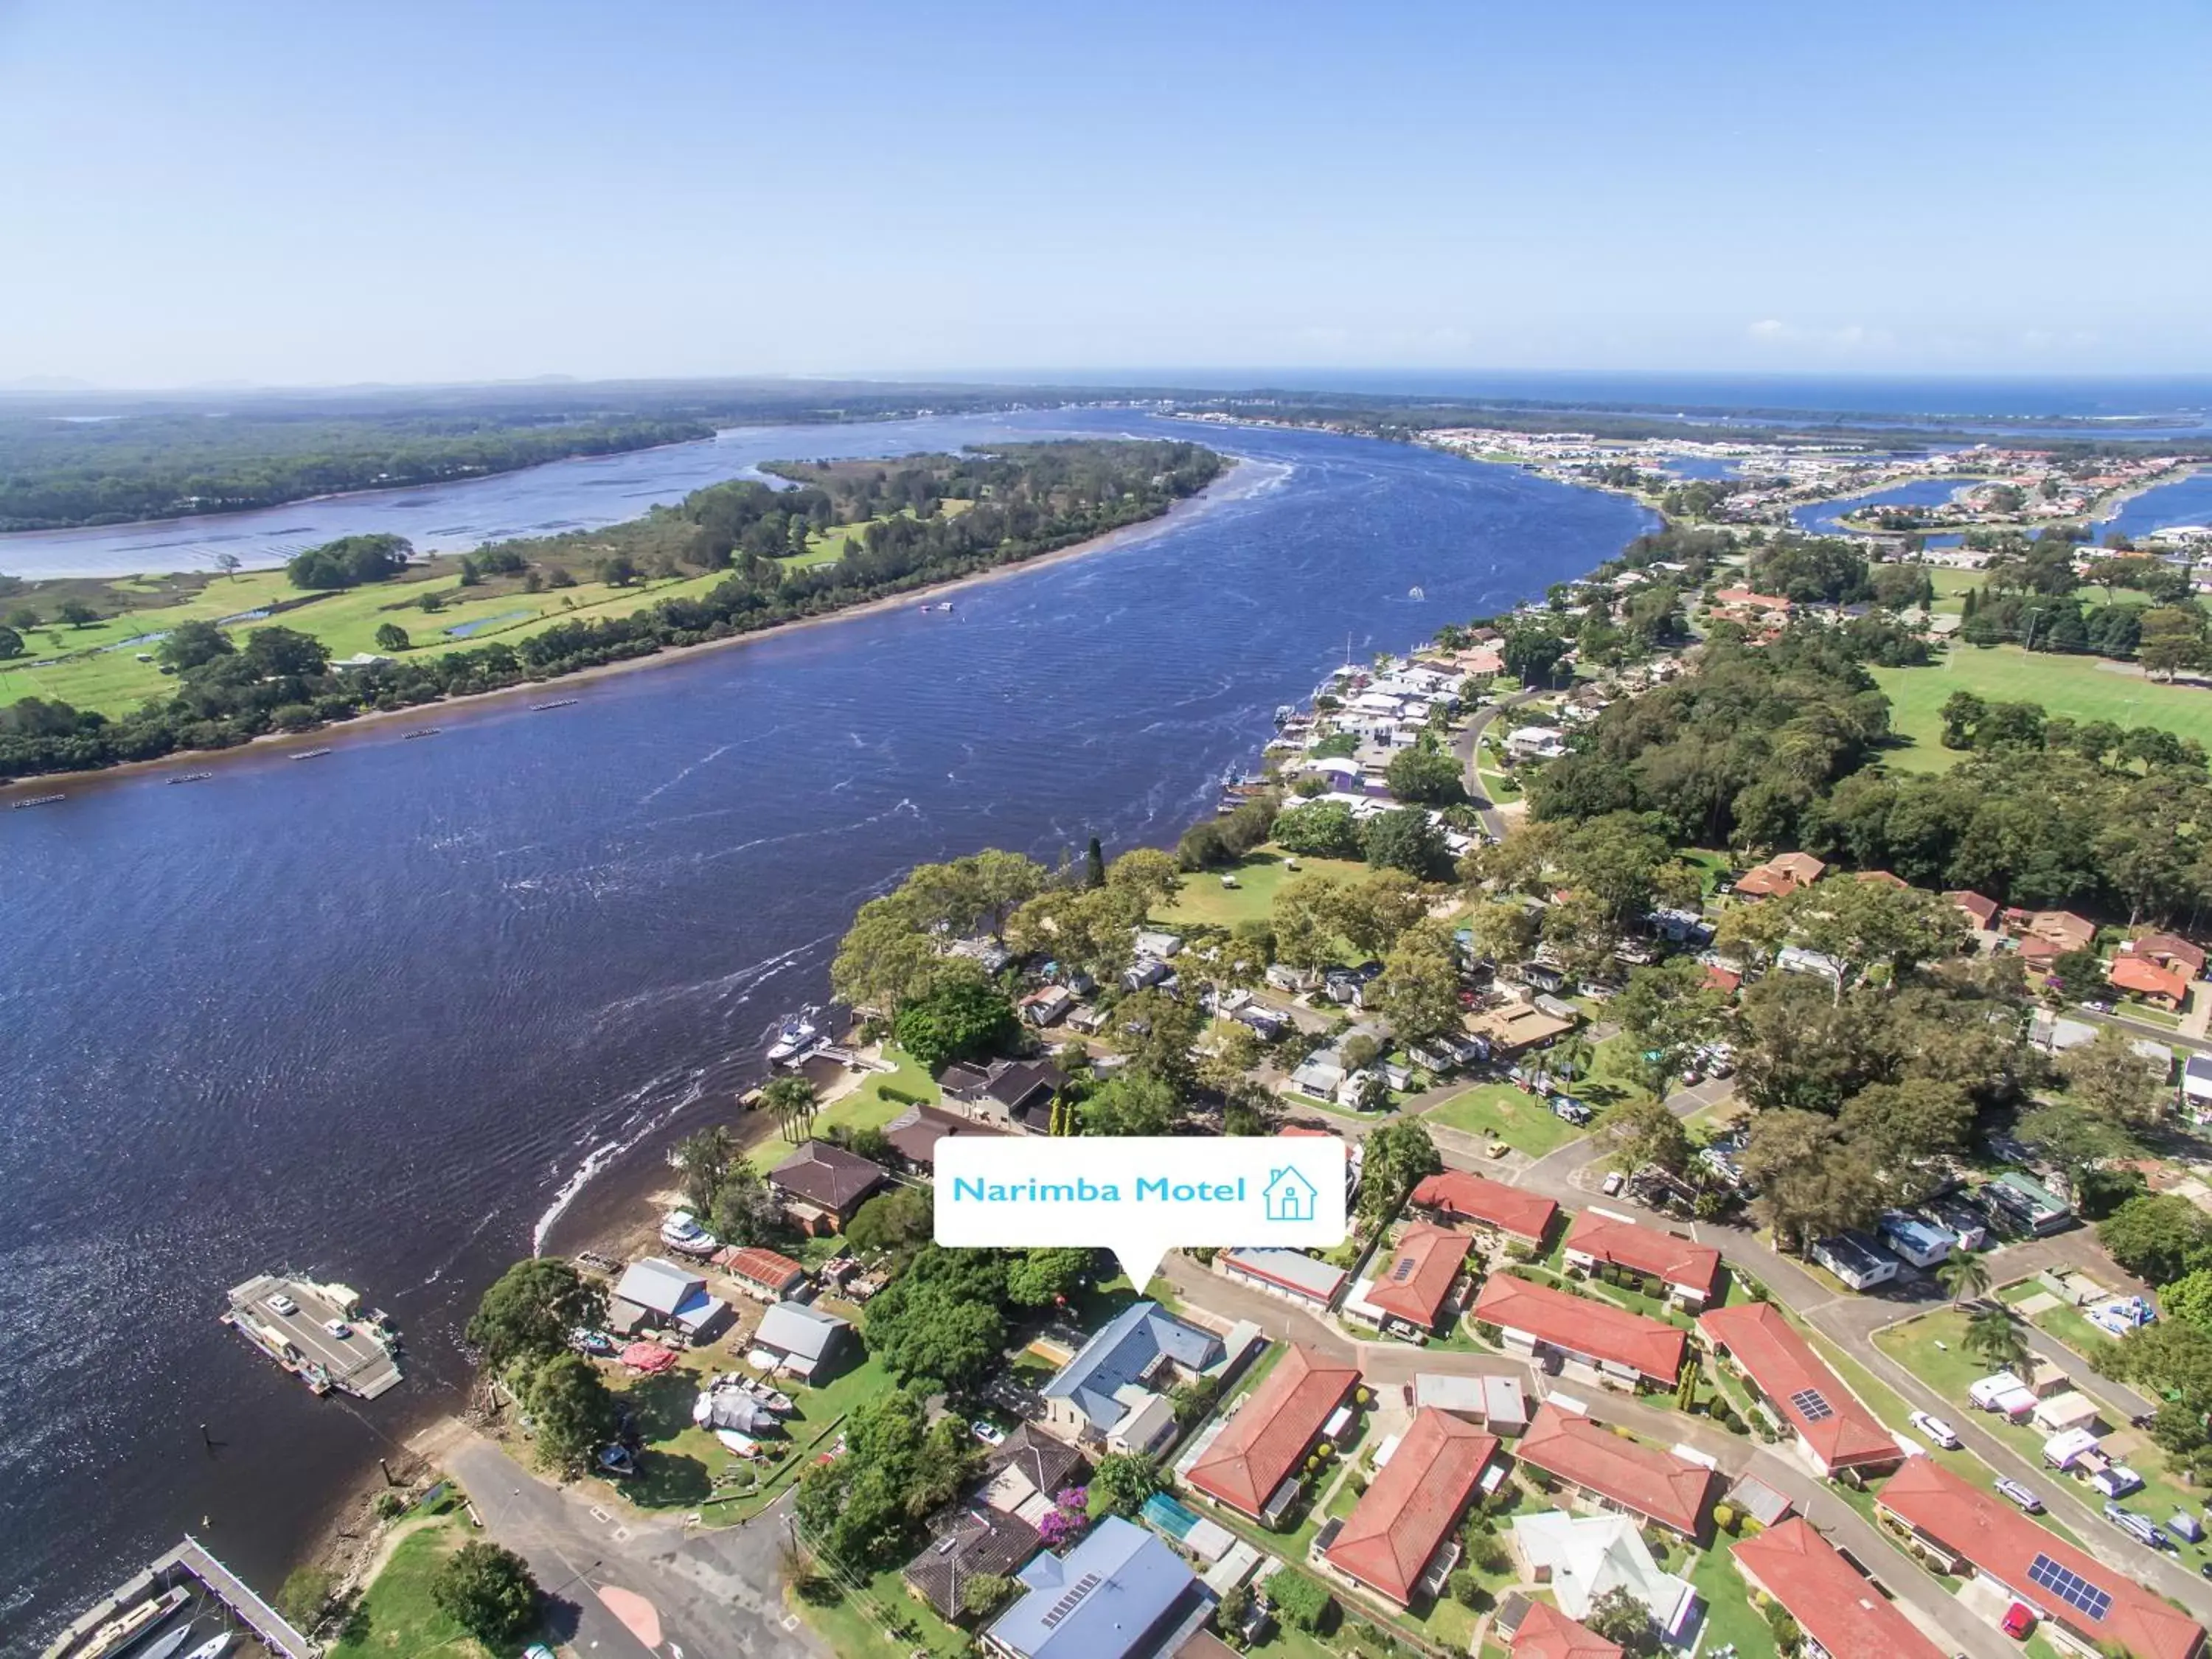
[2079,687]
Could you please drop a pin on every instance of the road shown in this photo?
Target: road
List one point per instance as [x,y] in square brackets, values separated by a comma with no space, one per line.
[633,1586]
[1466,746]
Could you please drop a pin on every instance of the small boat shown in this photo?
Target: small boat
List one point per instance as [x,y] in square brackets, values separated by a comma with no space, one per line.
[744,1444]
[1415,593]
[168,1644]
[614,1460]
[311,754]
[39,800]
[557,702]
[191,777]
[793,1035]
[210,1649]
[421,732]
[773,1399]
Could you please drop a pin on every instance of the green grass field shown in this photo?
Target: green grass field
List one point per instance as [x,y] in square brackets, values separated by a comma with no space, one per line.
[1503,1113]
[2076,687]
[396,1616]
[1205,902]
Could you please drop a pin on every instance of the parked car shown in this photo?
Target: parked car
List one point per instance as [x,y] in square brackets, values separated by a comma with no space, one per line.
[989,1433]
[283,1305]
[2020,1495]
[2020,1621]
[1936,1430]
[339,1329]
[2136,1526]
[1611,1188]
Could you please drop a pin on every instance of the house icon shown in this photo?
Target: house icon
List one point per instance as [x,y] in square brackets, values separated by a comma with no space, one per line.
[1290,1196]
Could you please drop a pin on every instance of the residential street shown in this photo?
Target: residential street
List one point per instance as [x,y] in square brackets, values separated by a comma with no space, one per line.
[695,1593]
[1467,744]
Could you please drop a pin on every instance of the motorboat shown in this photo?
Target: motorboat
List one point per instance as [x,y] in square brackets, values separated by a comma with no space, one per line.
[742,1444]
[791,1036]
[166,1645]
[130,1625]
[212,1647]
[773,1399]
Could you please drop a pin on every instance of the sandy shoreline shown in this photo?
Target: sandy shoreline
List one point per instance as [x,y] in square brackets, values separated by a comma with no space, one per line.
[1239,479]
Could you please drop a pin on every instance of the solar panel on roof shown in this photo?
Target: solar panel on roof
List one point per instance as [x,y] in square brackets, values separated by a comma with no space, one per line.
[2069,1587]
[1812,1405]
[1402,1271]
[1067,1603]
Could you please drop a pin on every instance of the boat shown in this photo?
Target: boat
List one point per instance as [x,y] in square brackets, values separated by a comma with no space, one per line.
[210,1649]
[191,777]
[311,754]
[557,702]
[130,1625]
[775,1400]
[744,1444]
[792,1035]
[168,1644]
[1415,593]
[39,800]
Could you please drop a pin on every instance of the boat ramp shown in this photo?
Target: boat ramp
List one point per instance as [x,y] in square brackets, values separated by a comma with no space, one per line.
[319,1332]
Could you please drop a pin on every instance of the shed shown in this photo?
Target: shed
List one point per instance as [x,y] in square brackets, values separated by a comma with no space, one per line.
[799,1339]
[2070,1410]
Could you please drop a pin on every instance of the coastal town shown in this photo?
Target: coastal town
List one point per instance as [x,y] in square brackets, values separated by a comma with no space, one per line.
[1752,1250]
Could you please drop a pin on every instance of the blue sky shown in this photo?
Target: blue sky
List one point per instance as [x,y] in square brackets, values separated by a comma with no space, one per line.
[286,193]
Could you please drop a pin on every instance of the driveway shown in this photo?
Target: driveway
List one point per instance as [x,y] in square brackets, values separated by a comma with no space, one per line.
[639,1586]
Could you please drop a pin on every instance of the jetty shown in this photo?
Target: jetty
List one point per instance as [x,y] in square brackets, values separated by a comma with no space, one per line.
[191,1569]
[39,800]
[297,1323]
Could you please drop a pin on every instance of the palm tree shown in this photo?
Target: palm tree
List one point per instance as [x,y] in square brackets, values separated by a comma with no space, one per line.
[1965,1276]
[1994,1337]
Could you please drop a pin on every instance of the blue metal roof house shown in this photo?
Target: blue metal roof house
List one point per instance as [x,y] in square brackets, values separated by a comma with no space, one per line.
[1120,1594]
[1106,1393]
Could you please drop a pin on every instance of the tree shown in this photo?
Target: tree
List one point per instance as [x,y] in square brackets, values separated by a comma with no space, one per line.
[1400,1154]
[348,561]
[1668,1010]
[895,1224]
[1094,864]
[11,643]
[1193,1399]
[1038,1277]
[1530,652]
[285,653]
[1157,1032]
[746,1210]
[1964,1276]
[790,1099]
[2170,1357]
[1133,1102]
[867,1507]
[985,1593]
[1301,1603]
[77,614]
[391,636]
[1151,876]
[189,644]
[1621,1619]
[2106,1076]
[530,1311]
[1122,1482]
[1419,991]
[941,1323]
[1995,1337]
[2073,1140]
[1426,775]
[1811,1181]
[572,1414]
[488,1591]
[885,959]
[1638,1130]
[1406,840]
[1319,829]
[963,1016]
[2158,1237]
[1499,932]
[1372,913]
[2188,1298]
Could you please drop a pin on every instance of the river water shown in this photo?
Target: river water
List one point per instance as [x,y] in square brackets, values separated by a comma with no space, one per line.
[378,1016]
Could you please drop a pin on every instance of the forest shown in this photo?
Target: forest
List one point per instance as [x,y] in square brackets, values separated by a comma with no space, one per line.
[1019,500]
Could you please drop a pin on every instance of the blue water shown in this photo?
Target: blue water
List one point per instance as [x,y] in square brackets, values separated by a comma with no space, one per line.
[469,629]
[1827,516]
[2186,500]
[1700,467]
[382,1015]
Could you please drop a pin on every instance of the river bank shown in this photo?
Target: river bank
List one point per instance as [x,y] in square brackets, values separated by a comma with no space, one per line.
[1237,480]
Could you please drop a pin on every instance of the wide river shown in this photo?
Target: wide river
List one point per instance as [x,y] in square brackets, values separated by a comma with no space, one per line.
[395,1015]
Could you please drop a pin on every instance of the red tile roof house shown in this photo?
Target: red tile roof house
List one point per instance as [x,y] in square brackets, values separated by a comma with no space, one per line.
[1744,598]
[1460,1196]
[2167,951]
[1617,1473]
[1414,1278]
[1780,876]
[1624,1347]
[1690,1272]
[1251,1465]
[2046,935]
[1412,1507]
[820,1185]
[1884,878]
[1959,1525]
[1835,1430]
[764,1275]
[1545,1632]
[1981,912]
[2161,986]
[1831,1600]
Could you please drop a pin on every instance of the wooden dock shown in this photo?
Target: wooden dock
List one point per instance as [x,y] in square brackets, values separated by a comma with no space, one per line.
[190,1564]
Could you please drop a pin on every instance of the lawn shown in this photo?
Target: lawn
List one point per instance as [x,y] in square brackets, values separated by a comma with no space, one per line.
[1502,1112]
[396,1616]
[2076,687]
[2064,1324]
[1729,1616]
[1204,902]
[859,1619]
